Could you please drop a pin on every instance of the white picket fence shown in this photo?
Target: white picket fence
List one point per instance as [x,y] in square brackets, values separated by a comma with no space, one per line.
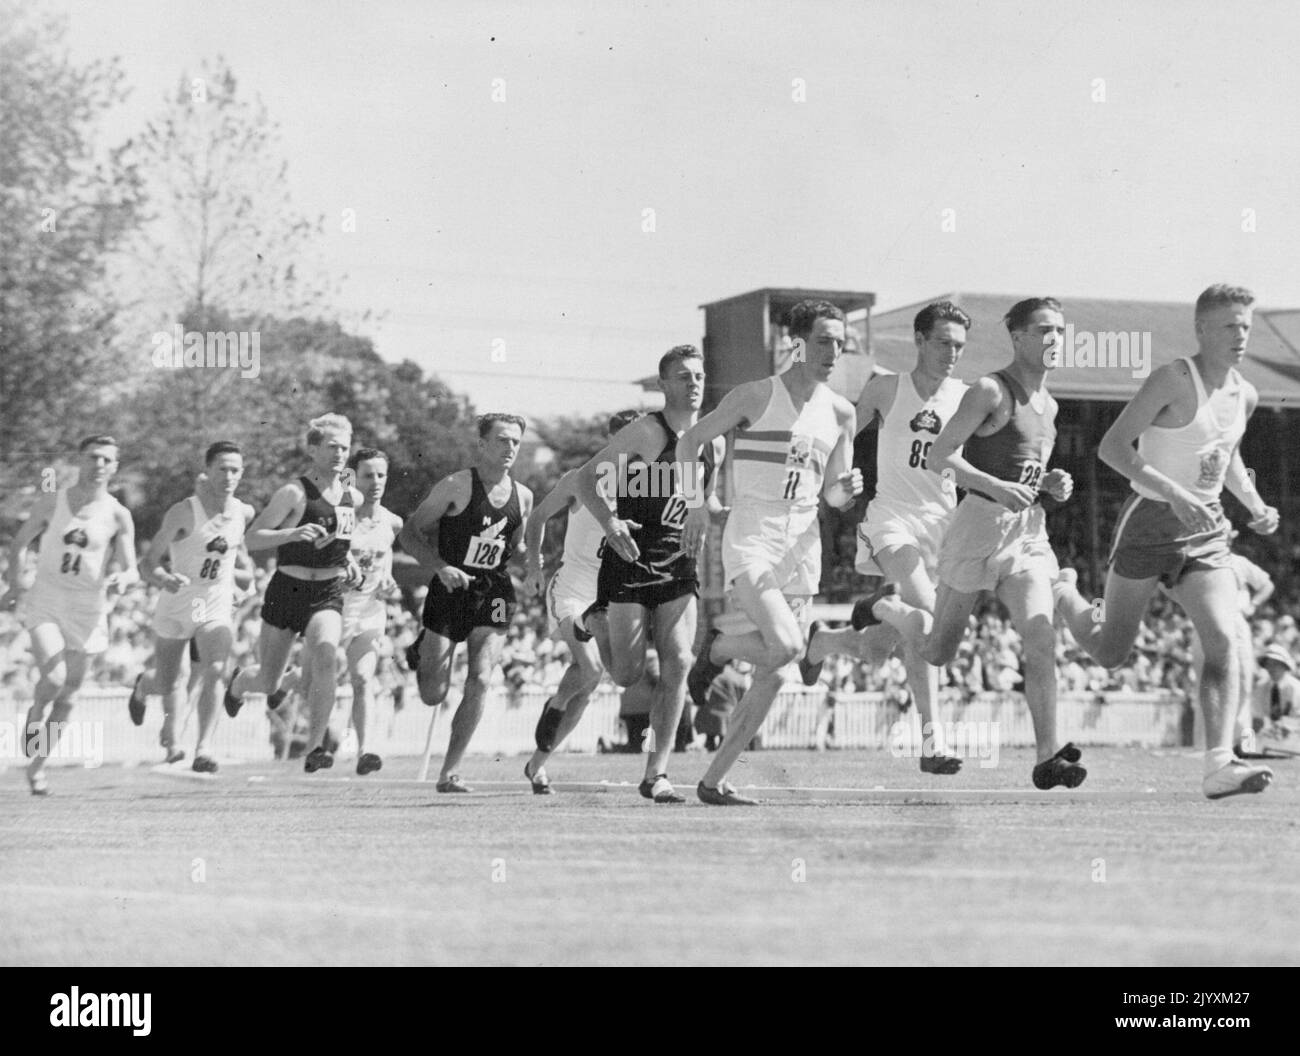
[101,731]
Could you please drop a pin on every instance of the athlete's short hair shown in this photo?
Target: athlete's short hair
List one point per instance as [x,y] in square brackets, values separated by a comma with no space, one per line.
[317,426]
[486,421]
[939,312]
[1018,317]
[1220,295]
[620,419]
[804,315]
[98,440]
[365,454]
[222,447]
[675,355]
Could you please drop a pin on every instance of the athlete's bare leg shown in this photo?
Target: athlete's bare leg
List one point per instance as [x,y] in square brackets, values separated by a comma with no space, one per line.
[433,675]
[1209,597]
[579,681]
[363,662]
[1106,631]
[1028,597]
[674,635]
[319,652]
[778,641]
[214,641]
[63,669]
[628,634]
[484,644]
[274,645]
[169,654]
[905,566]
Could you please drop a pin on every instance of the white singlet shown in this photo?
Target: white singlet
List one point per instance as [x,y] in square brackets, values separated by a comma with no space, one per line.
[1196,455]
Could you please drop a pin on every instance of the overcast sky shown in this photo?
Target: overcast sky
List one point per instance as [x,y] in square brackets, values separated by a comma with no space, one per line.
[1100,149]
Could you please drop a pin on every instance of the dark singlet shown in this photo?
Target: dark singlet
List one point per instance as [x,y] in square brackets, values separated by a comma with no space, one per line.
[340,521]
[662,515]
[477,540]
[1020,450]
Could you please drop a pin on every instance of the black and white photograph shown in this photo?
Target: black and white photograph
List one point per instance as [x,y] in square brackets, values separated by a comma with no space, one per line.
[694,484]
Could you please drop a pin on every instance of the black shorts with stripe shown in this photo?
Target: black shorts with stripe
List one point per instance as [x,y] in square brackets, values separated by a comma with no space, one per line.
[1150,541]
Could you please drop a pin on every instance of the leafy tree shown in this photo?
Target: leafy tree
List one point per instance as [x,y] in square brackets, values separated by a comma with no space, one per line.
[65,205]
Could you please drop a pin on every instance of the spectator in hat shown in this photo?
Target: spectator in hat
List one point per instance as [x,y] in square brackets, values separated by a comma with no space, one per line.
[1276,702]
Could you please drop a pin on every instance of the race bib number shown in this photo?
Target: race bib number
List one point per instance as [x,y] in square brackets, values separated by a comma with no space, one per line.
[345,522]
[485,552]
[674,515]
[1031,473]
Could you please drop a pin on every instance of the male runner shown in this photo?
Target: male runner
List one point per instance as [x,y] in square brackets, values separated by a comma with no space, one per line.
[571,592]
[465,531]
[793,446]
[647,579]
[365,614]
[310,522]
[1187,421]
[203,535]
[997,447]
[906,521]
[66,608]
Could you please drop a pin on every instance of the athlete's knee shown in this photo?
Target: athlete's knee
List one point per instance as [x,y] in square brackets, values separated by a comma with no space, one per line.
[784,648]
[1038,643]
[674,666]
[626,671]
[477,682]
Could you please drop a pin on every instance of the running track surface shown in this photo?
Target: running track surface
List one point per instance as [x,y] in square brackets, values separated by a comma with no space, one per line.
[855,858]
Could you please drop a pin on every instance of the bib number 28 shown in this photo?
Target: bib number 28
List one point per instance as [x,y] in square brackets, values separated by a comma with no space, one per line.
[1031,473]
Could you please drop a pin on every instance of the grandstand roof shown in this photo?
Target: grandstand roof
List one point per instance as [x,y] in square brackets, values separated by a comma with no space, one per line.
[1272,362]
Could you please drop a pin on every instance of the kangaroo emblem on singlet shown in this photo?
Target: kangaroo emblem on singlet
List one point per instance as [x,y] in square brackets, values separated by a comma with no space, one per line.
[1213,465]
[486,549]
[926,421]
[77,537]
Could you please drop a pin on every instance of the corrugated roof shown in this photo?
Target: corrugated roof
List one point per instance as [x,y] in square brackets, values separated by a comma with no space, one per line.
[1272,362]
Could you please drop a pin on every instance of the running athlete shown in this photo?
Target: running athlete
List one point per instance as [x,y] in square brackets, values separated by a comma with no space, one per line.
[911,511]
[202,536]
[997,446]
[365,615]
[310,522]
[465,531]
[1187,420]
[647,580]
[66,608]
[571,592]
[793,446]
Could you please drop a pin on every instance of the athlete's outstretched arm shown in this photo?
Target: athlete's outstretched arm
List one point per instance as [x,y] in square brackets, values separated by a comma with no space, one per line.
[123,554]
[420,535]
[42,511]
[268,528]
[559,498]
[947,459]
[1117,448]
[742,405]
[876,400]
[636,440]
[176,520]
[1238,480]
[841,483]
